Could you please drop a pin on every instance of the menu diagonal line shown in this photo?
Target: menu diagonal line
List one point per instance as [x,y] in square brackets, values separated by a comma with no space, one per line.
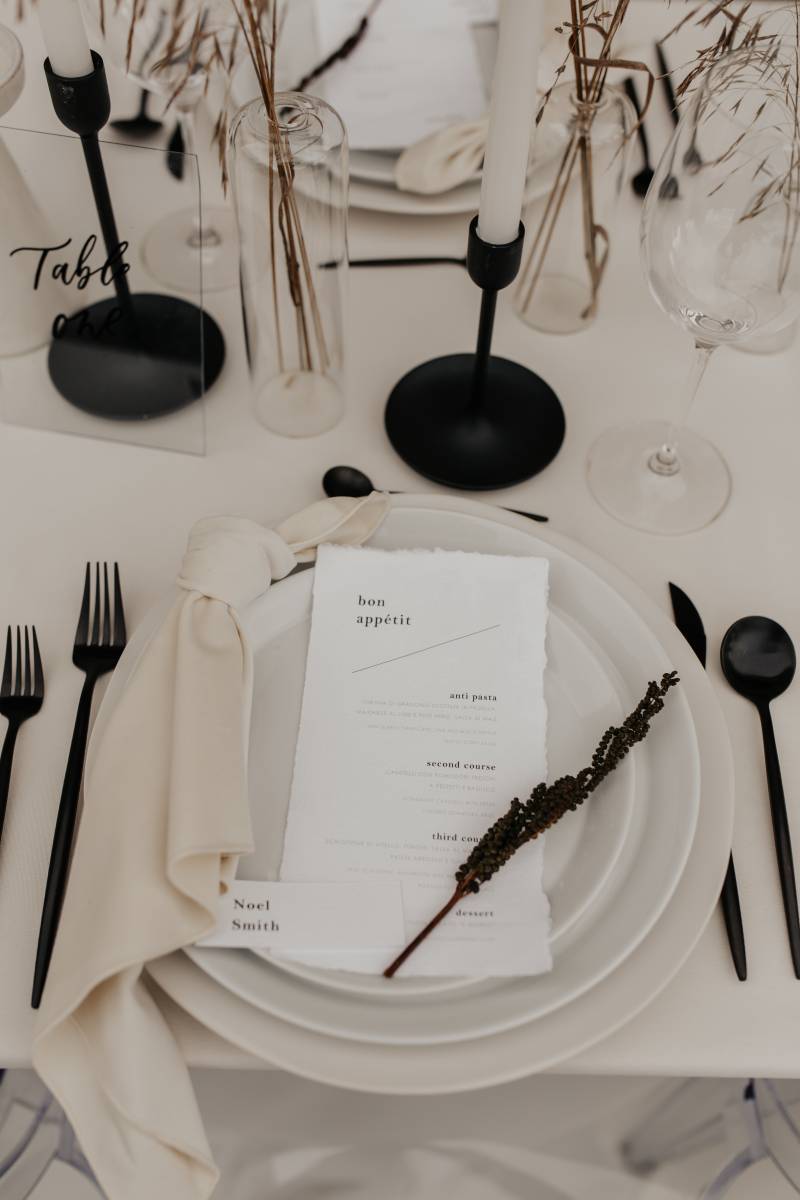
[425,649]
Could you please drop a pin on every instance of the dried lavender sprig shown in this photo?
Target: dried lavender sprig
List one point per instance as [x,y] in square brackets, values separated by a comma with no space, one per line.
[547,804]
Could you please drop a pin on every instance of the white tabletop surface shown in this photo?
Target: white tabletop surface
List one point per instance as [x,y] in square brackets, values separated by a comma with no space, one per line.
[66,499]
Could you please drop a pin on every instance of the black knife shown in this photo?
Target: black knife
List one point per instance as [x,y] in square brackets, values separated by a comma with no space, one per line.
[691,159]
[687,618]
[672,101]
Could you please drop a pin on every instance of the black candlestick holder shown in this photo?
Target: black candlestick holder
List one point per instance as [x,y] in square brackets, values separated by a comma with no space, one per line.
[476,421]
[138,354]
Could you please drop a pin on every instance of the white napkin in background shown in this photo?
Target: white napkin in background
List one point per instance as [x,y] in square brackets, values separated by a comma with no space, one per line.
[165,818]
[454,155]
[443,160]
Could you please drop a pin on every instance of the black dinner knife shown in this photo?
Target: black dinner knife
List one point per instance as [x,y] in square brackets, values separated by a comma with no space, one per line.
[688,621]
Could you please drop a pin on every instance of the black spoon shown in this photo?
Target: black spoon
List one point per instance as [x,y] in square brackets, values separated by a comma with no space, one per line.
[349,481]
[141,125]
[758,660]
[641,182]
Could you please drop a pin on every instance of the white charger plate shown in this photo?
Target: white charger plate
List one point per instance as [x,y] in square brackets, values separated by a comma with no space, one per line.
[667,795]
[540,1044]
[590,626]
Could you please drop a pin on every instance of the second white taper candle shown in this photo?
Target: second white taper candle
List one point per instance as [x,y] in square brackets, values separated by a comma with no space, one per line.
[511,114]
[65,37]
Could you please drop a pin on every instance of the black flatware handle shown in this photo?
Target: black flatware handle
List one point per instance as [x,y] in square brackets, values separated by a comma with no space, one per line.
[518,512]
[58,870]
[430,260]
[666,81]
[6,758]
[630,92]
[783,841]
[732,912]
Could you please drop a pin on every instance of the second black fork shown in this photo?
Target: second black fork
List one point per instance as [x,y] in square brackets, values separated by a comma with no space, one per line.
[95,654]
[21,696]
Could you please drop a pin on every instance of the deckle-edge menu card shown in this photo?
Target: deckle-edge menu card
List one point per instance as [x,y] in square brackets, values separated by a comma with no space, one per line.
[423,716]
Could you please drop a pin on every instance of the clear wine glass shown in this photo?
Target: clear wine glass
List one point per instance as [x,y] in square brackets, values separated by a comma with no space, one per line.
[156,43]
[719,243]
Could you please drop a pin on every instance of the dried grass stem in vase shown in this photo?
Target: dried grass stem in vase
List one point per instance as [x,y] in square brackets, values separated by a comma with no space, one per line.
[288,169]
[581,149]
[524,821]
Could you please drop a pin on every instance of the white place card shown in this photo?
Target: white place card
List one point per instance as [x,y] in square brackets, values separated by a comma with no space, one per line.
[336,916]
[423,716]
[411,75]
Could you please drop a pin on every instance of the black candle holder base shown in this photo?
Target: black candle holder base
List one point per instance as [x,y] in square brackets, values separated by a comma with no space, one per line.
[130,369]
[433,426]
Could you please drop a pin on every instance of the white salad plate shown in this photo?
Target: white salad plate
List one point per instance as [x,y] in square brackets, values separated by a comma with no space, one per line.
[617,994]
[596,860]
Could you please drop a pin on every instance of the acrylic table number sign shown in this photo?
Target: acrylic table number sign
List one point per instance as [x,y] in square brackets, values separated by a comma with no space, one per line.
[60,263]
[106,356]
[25,314]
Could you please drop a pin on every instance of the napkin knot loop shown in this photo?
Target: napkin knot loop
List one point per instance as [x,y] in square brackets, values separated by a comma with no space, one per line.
[233,559]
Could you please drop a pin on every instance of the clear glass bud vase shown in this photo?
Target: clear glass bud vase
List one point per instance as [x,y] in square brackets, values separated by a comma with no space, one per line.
[289,176]
[581,151]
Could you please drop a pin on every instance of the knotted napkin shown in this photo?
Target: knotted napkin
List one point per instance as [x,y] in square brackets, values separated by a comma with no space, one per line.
[454,155]
[442,160]
[164,821]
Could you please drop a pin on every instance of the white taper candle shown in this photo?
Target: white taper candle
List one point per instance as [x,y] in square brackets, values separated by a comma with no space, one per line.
[511,113]
[65,37]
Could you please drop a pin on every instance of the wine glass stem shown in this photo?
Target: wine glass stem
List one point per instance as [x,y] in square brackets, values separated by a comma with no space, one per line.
[200,238]
[186,122]
[665,460]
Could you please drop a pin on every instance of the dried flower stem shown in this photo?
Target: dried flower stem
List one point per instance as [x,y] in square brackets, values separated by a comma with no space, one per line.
[547,804]
[590,76]
[284,212]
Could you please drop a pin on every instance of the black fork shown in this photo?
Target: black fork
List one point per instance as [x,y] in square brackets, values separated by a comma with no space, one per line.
[21,696]
[95,654]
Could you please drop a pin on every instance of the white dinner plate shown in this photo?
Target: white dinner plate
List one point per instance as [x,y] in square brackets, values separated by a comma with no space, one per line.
[377,197]
[653,858]
[538,1044]
[591,629]
[377,166]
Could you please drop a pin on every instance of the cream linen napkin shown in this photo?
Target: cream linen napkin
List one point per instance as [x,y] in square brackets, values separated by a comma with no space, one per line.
[442,160]
[454,155]
[165,818]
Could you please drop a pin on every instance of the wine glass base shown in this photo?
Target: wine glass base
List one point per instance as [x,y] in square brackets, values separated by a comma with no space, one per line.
[623,483]
[173,254]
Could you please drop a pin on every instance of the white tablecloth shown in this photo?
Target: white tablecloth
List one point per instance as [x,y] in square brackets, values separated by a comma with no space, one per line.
[65,500]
